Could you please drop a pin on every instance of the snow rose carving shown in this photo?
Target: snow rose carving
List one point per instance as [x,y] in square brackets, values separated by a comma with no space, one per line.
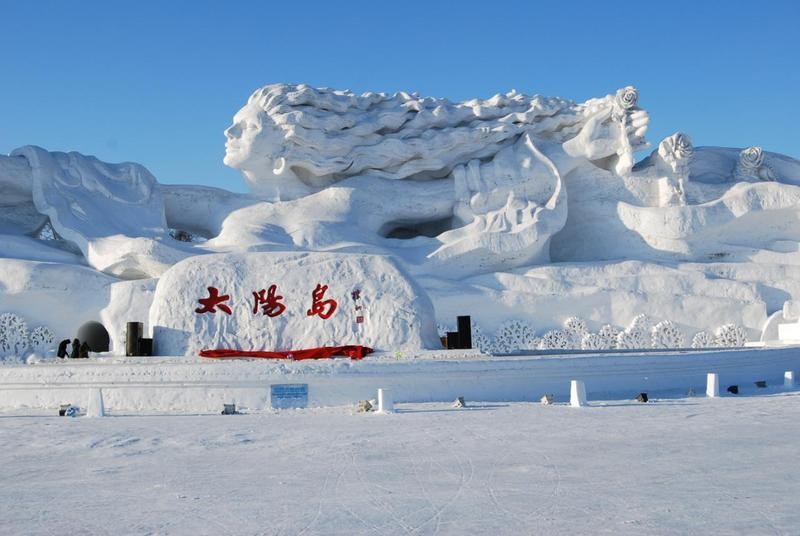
[627,97]
[751,158]
[752,166]
[678,146]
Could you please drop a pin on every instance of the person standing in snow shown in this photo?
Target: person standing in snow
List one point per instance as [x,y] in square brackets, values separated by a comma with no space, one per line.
[62,348]
[76,349]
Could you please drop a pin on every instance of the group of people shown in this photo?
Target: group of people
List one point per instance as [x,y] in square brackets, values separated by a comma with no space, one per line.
[78,350]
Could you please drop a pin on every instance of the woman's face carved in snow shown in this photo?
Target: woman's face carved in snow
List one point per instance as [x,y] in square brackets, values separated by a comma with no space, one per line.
[250,144]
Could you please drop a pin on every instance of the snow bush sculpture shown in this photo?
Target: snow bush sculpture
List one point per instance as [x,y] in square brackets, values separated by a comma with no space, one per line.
[666,334]
[556,339]
[752,166]
[515,335]
[41,340]
[576,329]
[631,339]
[480,340]
[703,339]
[575,324]
[13,336]
[609,334]
[730,335]
[592,341]
[641,323]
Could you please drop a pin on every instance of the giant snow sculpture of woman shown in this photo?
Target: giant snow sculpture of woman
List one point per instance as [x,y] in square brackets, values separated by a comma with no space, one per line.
[491,170]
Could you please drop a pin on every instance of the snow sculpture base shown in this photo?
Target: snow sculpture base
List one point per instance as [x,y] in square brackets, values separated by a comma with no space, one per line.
[376,304]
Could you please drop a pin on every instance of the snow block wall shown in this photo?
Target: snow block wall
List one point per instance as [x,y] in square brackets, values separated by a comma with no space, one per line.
[285,301]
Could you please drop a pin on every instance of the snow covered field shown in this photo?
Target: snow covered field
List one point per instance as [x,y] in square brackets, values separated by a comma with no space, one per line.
[675,466]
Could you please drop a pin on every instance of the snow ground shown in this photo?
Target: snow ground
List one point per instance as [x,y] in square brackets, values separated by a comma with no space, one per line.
[675,466]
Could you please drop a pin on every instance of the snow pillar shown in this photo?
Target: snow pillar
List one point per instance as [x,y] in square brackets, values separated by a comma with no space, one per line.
[95,406]
[712,385]
[788,378]
[577,394]
[385,402]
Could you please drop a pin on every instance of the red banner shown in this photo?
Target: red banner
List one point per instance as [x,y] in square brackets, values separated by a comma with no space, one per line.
[325,352]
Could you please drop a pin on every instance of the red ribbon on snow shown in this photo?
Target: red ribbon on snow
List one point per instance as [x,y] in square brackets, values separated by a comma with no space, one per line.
[325,352]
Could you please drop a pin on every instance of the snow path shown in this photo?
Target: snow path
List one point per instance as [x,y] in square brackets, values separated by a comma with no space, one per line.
[676,466]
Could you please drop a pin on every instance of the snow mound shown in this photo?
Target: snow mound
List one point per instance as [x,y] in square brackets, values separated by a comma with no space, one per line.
[113,212]
[266,301]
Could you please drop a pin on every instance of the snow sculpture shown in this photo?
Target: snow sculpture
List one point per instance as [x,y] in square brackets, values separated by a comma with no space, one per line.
[13,336]
[480,340]
[291,140]
[703,339]
[575,327]
[642,323]
[289,301]
[753,166]
[729,335]
[113,212]
[41,340]
[502,160]
[556,339]
[450,190]
[515,335]
[608,335]
[666,334]
[631,339]
[593,341]
[672,158]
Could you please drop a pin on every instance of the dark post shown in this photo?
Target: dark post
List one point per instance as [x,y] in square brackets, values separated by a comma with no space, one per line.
[145,346]
[133,333]
[464,332]
[452,340]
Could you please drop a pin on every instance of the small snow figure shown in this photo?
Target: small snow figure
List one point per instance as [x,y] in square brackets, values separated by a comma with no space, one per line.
[76,349]
[270,304]
[323,308]
[62,348]
[213,300]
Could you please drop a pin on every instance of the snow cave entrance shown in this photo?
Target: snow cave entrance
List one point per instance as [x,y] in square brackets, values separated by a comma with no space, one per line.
[95,335]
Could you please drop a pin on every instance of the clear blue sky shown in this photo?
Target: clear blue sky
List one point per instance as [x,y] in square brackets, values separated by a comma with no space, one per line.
[157,82]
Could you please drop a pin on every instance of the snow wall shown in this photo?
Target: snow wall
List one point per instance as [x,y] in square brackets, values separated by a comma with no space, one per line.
[192,386]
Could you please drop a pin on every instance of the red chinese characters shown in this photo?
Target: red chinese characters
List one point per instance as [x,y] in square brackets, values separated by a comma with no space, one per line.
[319,307]
[269,301]
[214,300]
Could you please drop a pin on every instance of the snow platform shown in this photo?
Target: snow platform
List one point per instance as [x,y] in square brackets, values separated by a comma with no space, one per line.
[195,385]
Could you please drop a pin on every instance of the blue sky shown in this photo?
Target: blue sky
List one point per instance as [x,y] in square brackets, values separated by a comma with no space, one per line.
[157,82]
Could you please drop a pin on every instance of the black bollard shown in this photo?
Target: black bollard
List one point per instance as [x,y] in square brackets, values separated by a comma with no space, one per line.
[452,340]
[464,332]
